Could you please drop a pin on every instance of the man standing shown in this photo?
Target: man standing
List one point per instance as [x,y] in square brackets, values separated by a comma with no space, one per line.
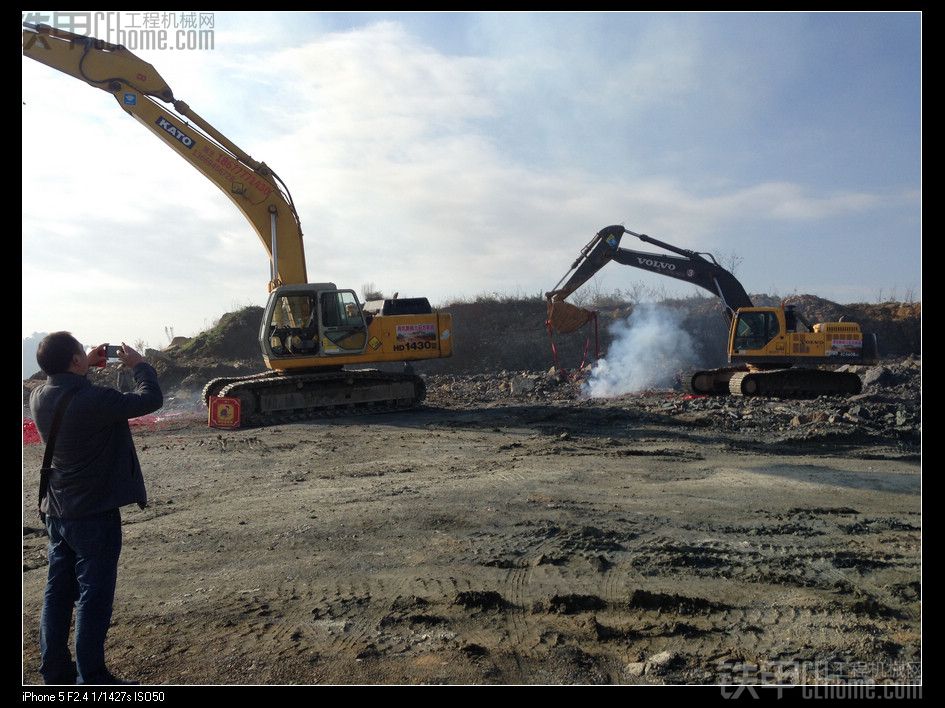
[95,471]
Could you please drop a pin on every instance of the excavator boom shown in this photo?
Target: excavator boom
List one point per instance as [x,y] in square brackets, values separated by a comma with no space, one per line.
[142,93]
[688,266]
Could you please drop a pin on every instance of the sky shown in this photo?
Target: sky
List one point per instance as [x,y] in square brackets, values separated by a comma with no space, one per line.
[454,155]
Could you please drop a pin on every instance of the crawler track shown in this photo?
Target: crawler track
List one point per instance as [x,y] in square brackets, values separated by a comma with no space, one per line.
[271,398]
[712,382]
[794,383]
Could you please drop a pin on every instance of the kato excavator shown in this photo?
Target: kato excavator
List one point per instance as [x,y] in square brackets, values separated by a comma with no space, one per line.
[772,350]
[310,331]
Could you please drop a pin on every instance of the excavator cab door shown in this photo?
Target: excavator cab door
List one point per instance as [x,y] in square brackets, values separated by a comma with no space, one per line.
[341,323]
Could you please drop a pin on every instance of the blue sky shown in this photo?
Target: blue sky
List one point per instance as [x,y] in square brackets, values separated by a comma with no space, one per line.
[450,155]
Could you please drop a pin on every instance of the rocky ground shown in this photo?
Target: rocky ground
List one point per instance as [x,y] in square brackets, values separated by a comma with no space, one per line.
[887,409]
[514,531]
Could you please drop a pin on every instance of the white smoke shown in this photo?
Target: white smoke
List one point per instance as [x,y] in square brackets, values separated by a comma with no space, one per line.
[648,350]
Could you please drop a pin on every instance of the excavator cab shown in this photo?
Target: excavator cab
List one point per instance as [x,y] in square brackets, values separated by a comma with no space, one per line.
[754,329]
[316,320]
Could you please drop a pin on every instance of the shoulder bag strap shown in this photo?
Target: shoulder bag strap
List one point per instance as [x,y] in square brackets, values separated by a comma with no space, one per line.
[51,445]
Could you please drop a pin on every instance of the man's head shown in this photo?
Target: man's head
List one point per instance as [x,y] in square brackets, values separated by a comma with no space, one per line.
[60,352]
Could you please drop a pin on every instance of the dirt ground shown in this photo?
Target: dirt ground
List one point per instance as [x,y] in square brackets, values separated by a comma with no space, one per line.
[561,541]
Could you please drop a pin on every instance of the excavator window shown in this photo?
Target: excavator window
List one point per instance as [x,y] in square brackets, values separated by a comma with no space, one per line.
[755,329]
[293,330]
[340,309]
[342,323]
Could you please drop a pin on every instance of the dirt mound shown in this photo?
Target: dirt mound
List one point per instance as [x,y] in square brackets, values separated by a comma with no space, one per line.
[229,348]
[232,338]
[898,326]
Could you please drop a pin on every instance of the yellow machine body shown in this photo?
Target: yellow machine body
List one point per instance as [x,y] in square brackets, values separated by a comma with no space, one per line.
[765,336]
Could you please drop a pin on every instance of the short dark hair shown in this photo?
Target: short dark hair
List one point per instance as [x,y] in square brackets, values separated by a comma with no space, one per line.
[55,352]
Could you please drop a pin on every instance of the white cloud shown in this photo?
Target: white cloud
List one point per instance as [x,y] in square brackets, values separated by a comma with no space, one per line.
[389,149]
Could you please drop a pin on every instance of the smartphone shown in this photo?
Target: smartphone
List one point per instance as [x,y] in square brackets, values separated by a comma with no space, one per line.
[111,352]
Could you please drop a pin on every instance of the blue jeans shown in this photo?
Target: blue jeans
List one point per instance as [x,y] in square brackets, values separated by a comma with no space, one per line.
[83,568]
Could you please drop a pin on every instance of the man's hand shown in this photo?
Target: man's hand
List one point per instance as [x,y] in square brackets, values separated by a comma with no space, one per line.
[97,356]
[129,357]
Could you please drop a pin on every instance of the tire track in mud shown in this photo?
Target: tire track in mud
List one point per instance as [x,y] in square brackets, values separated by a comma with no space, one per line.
[272,621]
[513,627]
[541,570]
[536,563]
[477,626]
[398,526]
[776,564]
[763,626]
[551,593]
[341,618]
[426,615]
[385,613]
[571,551]
[518,583]
[616,581]
[505,625]
[295,621]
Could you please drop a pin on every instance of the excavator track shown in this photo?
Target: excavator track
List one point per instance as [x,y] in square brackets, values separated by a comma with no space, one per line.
[214,386]
[269,398]
[794,383]
[711,382]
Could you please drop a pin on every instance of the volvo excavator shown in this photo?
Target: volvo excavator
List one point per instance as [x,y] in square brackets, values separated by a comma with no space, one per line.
[772,350]
[310,331]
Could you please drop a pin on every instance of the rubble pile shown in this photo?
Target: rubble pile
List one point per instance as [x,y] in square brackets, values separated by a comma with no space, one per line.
[888,407]
[518,386]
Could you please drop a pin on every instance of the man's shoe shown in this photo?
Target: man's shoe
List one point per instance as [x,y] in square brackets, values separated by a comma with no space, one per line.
[67,678]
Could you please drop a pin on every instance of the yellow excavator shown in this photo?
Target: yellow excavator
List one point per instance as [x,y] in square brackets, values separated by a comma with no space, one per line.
[310,331]
[773,350]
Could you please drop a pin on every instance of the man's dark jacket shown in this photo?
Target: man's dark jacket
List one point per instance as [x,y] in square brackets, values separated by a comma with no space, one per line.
[95,466]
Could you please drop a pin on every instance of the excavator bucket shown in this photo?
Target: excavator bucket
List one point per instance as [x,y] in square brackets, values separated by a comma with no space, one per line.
[565,317]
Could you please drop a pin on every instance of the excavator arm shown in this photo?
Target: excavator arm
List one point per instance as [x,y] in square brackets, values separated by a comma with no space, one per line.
[689,266]
[141,92]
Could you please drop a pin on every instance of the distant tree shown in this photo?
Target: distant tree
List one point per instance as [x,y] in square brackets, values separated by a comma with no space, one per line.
[369,291]
[731,261]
